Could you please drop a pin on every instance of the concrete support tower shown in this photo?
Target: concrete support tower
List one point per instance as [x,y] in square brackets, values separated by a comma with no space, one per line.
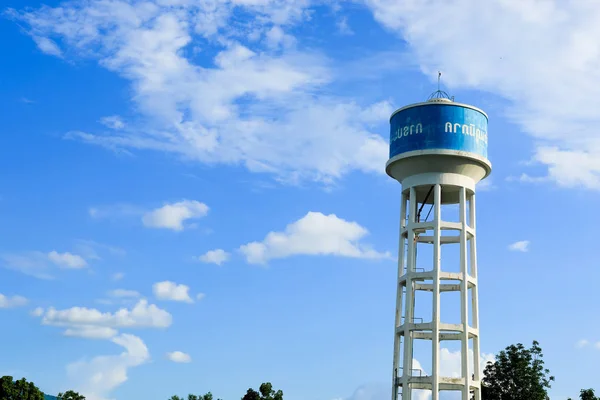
[438,152]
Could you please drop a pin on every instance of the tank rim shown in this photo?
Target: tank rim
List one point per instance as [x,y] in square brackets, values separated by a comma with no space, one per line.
[433,103]
[487,165]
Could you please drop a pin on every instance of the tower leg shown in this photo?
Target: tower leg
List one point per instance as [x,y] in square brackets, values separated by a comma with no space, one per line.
[434,279]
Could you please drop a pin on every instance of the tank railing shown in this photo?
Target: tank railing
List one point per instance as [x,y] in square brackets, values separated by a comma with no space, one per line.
[412,370]
[413,319]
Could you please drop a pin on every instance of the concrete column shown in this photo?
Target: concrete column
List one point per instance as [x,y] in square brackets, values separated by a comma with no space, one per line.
[409,307]
[464,295]
[475,298]
[435,334]
[399,289]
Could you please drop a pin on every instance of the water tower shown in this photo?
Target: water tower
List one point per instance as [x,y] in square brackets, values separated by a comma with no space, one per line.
[438,153]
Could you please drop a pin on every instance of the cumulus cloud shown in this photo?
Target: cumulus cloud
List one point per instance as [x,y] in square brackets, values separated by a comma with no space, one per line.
[264,103]
[217,256]
[179,357]
[172,291]
[67,260]
[526,65]
[522,246]
[98,377]
[313,234]
[142,315]
[582,343]
[172,216]
[12,301]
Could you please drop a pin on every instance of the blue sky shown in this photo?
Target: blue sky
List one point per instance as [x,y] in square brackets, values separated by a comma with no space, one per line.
[216,171]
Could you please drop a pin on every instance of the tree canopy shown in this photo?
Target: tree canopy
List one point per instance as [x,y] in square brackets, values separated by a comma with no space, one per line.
[70,395]
[587,394]
[265,392]
[207,396]
[19,390]
[517,374]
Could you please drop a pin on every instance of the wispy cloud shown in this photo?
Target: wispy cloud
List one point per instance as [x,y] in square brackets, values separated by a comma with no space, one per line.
[123,293]
[12,301]
[67,260]
[39,264]
[343,26]
[113,122]
[117,276]
[582,343]
[526,66]
[98,377]
[522,246]
[93,250]
[326,136]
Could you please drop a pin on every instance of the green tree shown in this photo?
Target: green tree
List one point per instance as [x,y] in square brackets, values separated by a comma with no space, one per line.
[70,395]
[265,392]
[19,390]
[517,374]
[207,396]
[588,394]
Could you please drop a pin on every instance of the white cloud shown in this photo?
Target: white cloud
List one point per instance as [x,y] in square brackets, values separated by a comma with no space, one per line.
[98,377]
[582,343]
[267,109]
[526,65]
[37,312]
[123,293]
[12,301]
[67,260]
[343,26]
[522,246]
[39,264]
[172,216]
[200,296]
[47,46]
[113,122]
[277,37]
[597,345]
[91,332]
[179,357]
[313,234]
[141,315]
[168,290]
[217,256]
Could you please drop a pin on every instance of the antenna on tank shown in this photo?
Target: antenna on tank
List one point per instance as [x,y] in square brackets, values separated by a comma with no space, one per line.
[439,94]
